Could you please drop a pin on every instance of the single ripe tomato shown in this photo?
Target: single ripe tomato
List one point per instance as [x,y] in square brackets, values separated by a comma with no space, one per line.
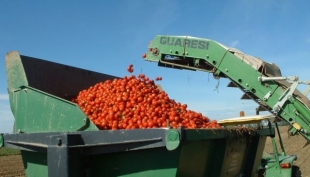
[130,68]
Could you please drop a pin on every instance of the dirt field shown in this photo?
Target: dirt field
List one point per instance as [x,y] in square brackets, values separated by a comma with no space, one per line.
[294,145]
[11,166]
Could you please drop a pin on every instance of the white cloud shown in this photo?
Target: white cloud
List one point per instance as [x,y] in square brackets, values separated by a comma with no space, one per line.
[4,96]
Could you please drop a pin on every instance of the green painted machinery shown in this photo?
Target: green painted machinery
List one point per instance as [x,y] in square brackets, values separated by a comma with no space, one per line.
[57,139]
[40,94]
[259,80]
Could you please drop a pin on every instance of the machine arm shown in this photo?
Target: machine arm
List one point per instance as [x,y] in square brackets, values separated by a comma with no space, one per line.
[259,80]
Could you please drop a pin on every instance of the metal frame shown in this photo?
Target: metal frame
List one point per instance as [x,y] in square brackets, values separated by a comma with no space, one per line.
[66,151]
[59,146]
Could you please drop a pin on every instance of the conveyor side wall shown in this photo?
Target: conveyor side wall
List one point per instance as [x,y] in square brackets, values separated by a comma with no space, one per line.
[185,52]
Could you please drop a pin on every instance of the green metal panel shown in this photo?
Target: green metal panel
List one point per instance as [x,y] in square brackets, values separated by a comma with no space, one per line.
[35,164]
[172,139]
[255,151]
[202,158]
[150,162]
[201,134]
[185,52]
[15,71]
[216,160]
[247,77]
[217,154]
[273,168]
[275,171]
[40,92]
[233,159]
[220,61]
[197,152]
[41,112]
[1,140]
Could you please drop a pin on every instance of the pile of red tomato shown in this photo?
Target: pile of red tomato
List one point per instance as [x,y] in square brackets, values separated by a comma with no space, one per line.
[136,102]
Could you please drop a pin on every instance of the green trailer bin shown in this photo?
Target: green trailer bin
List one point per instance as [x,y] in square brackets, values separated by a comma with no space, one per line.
[57,139]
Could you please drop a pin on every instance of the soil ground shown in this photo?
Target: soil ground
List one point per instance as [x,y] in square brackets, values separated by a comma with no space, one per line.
[294,145]
[12,166]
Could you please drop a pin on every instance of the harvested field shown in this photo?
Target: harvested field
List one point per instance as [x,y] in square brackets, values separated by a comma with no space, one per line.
[293,145]
[11,166]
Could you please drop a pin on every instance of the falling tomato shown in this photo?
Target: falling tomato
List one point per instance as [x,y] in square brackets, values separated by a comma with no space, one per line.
[130,68]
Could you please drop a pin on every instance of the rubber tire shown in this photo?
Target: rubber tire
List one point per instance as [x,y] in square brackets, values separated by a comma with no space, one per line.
[261,173]
[296,171]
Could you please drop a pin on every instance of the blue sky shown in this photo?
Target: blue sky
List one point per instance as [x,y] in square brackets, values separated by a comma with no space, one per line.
[106,36]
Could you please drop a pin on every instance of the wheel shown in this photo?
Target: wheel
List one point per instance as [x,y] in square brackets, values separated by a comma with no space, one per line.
[296,171]
[261,173]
